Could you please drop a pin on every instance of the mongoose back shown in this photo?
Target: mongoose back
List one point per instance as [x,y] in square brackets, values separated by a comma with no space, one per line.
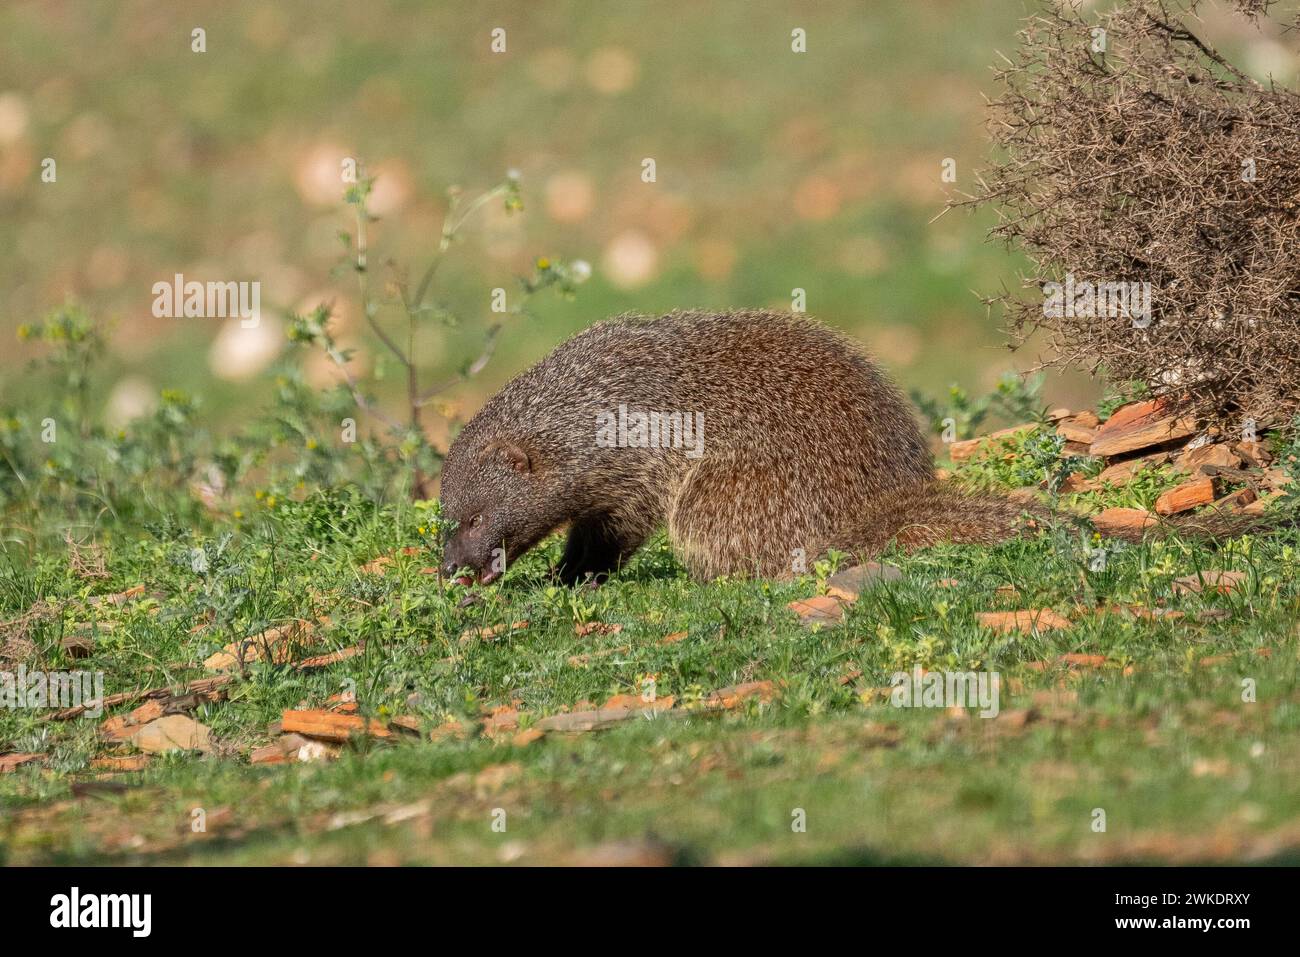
[760,440]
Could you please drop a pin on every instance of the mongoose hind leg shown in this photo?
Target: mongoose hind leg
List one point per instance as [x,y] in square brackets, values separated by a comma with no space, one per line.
[597,545]
[732,517]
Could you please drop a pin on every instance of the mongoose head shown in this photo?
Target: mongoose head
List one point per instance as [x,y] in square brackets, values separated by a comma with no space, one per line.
[497,494]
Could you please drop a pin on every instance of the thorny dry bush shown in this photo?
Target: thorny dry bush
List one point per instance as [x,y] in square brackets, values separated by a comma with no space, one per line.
[1140,154]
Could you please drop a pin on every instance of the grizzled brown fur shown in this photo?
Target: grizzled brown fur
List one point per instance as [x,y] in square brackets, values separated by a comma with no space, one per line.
[807,446]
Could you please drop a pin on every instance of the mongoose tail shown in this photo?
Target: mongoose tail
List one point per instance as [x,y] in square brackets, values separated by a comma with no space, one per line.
[929,514]
[939,512]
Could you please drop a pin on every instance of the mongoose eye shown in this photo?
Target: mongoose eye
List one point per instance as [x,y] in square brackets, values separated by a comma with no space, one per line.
[476,521]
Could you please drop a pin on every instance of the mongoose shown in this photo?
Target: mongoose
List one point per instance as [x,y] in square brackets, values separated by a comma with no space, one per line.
[761,440]
[771,440]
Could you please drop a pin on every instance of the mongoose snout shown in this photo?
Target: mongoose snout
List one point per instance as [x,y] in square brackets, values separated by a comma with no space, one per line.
[491,514]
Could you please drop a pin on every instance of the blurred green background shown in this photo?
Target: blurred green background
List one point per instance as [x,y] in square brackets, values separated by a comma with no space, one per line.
[775,170]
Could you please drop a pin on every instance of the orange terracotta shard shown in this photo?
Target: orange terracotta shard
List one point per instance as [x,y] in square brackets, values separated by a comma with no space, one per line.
[277,645]
[331,726]
[1185,497]
[1025,620]
[1139,426]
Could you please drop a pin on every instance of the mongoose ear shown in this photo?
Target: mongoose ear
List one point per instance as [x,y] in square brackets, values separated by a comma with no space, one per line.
[510,454]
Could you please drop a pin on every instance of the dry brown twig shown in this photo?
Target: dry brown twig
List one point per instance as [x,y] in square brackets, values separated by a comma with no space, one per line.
[85,561]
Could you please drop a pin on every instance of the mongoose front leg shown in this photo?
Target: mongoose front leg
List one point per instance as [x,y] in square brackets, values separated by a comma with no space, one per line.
[595,548]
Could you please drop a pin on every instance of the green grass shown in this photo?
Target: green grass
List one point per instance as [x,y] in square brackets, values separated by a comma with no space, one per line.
[171,161]
[1158,737]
